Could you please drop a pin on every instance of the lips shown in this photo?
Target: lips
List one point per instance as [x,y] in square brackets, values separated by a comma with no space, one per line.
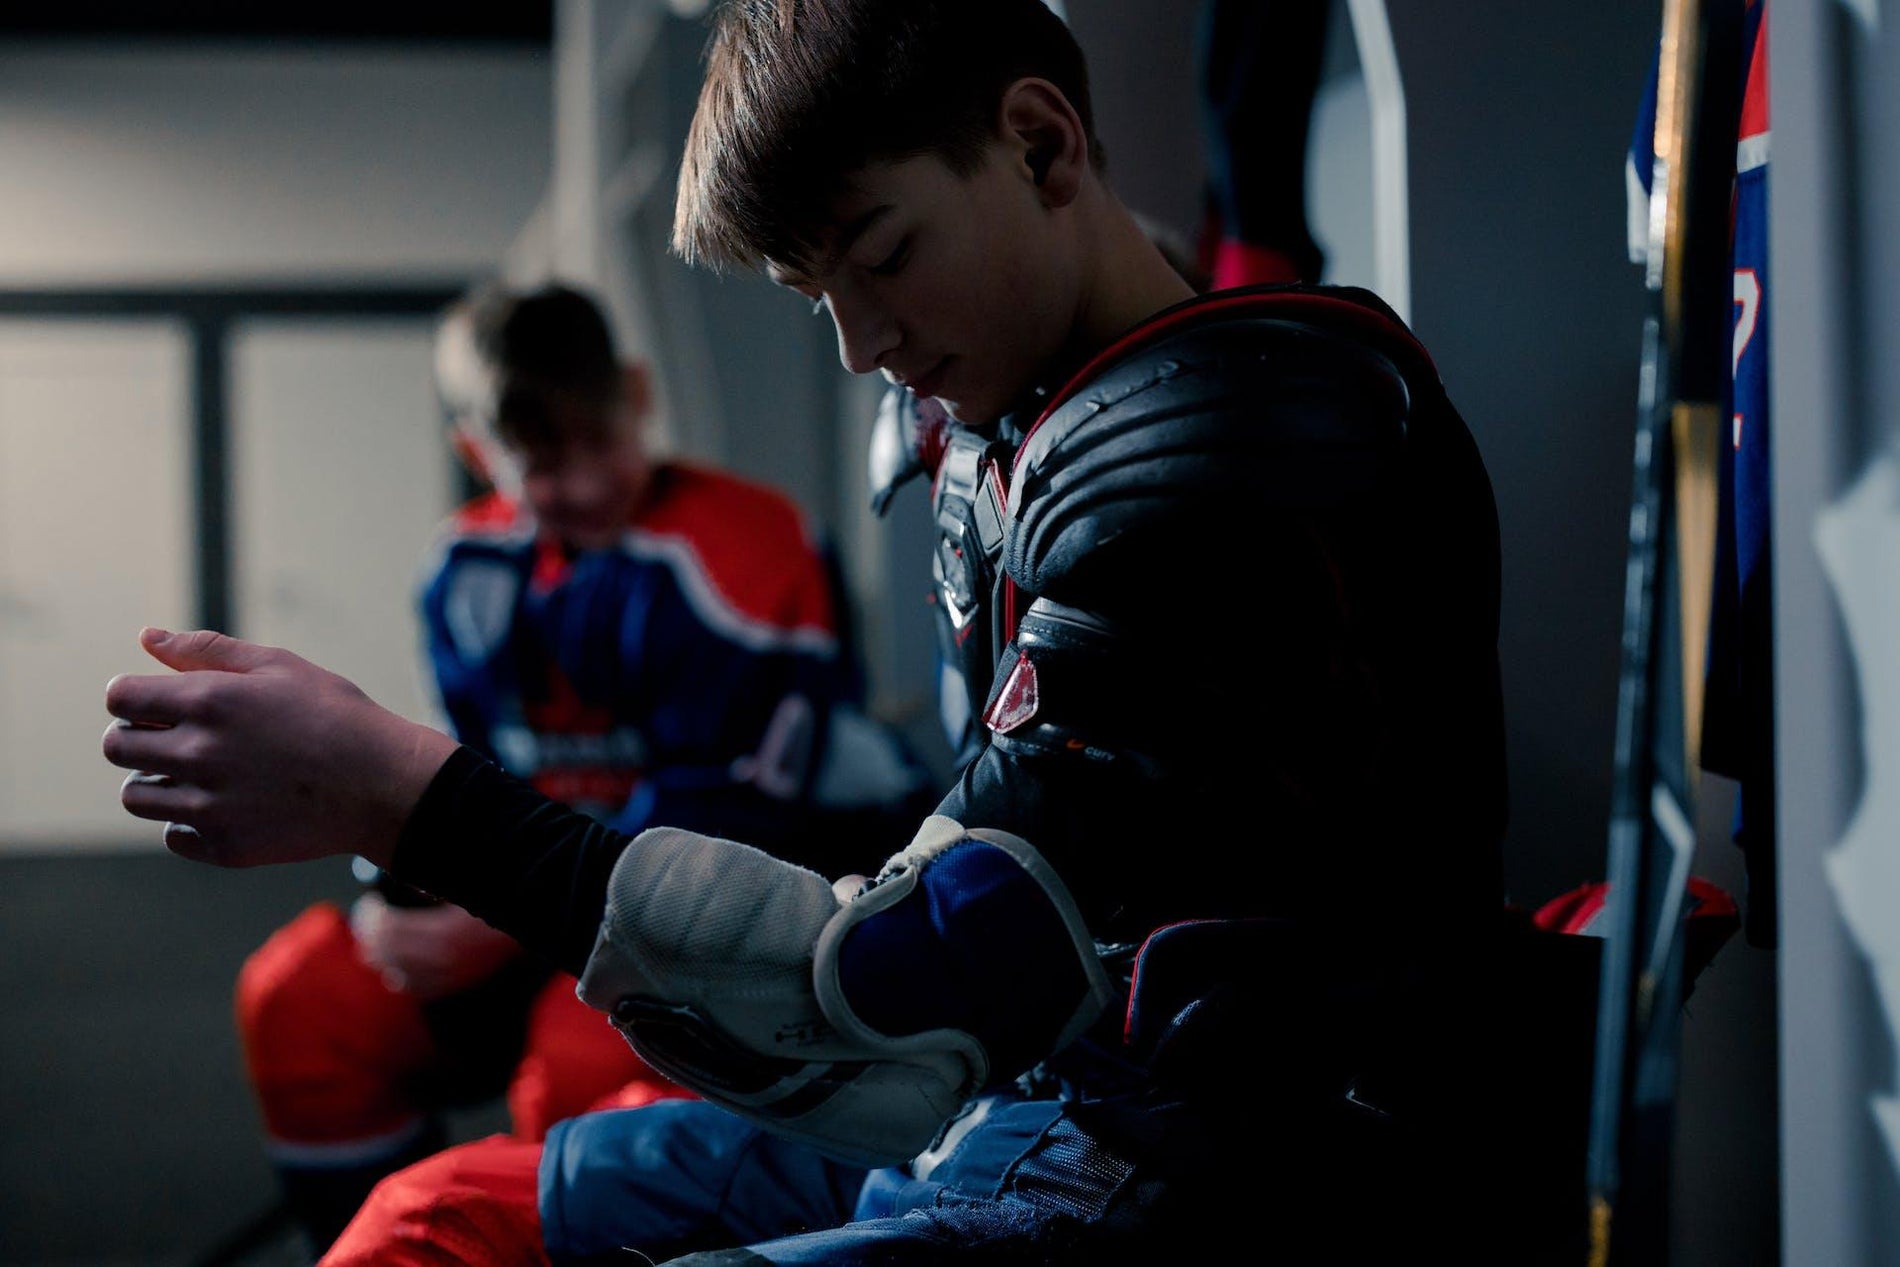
[931,381]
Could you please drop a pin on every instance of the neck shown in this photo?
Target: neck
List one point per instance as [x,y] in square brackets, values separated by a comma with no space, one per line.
[1127,281]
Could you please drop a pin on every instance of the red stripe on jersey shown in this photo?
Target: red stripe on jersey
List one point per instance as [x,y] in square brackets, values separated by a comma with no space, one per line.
[491,512]
[751,543]
[1755,88]
[551,564]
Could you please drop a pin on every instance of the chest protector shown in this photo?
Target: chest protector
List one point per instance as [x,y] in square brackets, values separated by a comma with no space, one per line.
[968,502]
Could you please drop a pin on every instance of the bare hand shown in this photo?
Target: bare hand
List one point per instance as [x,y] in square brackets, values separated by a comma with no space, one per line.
[428,951]
[250,754]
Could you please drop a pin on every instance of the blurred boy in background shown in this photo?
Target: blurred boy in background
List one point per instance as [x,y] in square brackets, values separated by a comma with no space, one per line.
[645,641]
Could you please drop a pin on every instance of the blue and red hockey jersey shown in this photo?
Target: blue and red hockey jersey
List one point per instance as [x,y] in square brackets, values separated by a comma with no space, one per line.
[685,676]
[1738,698]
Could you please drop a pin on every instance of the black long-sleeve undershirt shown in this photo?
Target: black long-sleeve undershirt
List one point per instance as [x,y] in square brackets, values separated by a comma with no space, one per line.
[532,867]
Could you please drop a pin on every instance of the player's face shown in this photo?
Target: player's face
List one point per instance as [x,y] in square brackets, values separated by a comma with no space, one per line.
[586,482]
[958,287]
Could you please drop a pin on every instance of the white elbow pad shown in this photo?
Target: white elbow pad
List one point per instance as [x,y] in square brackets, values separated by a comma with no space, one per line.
[731,972]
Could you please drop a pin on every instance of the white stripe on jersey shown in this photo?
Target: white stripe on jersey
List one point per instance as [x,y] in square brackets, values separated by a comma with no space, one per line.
[1636,210]
[1752,152]
[711,606]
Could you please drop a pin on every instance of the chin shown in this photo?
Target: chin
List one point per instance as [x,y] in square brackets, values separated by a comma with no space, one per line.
[594,540]
[969,413]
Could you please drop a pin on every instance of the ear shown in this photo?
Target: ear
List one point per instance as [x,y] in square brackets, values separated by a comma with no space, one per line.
[472,453]
[1047,139]
[636,382]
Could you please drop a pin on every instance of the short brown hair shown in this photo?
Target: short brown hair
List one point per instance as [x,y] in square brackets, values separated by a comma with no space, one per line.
[799,94]
[541,349]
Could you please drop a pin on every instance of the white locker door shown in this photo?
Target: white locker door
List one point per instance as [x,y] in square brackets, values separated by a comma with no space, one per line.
[96,538]
[341,476]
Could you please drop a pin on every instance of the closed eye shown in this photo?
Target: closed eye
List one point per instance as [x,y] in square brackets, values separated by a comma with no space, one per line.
[894,261]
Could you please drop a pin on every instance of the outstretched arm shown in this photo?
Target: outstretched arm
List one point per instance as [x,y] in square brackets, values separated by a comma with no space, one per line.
[250,754]
[723,964]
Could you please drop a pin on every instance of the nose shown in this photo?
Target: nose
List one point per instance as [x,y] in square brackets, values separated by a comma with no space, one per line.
[561,490]
[866,332]
[583,487]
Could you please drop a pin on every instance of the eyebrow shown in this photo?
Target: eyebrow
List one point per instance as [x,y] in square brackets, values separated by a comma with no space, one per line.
[849,235]
[847,238]
[855,230]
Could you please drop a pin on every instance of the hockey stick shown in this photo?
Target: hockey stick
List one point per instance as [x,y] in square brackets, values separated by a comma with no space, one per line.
[1671,538]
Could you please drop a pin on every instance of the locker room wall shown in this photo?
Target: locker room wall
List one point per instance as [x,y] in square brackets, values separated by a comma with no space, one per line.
[186,163]
[95,540]
[187,169]
[131,1135]
[1835,382]
[339,483]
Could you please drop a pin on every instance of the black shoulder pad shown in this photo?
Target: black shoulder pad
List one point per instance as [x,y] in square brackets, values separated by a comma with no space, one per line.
[1178,447]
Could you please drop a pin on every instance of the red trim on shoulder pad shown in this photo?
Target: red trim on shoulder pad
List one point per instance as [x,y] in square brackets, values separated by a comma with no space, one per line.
[998,482]
[1134,976]
[751,545]
[1293,302]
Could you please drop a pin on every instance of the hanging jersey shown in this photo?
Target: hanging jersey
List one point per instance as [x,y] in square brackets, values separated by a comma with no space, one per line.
[1738,708]
[1258,71]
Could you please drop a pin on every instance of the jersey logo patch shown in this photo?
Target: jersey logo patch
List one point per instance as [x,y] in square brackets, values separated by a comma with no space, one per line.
[478,607]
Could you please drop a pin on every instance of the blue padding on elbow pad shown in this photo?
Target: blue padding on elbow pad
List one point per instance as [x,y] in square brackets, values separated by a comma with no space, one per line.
[978,946]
